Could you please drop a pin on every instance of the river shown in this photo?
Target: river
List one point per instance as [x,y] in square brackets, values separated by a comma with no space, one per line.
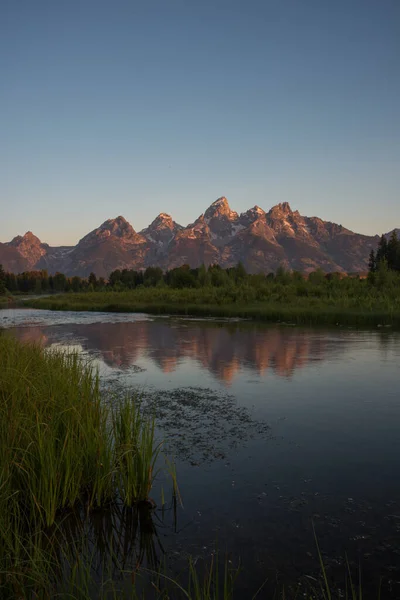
[274,431]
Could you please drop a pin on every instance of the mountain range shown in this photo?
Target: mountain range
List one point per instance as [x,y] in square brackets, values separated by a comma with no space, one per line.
[261,240]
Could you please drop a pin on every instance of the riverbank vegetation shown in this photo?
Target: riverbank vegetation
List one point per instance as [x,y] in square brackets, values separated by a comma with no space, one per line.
[284,297]
[63,450]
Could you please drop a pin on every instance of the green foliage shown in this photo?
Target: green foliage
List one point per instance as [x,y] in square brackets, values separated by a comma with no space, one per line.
[92,280]
[317,277]
[181,277]
[388,251]
[334,300]
[372,262]
[59,282]
[2,281]
[152,276]
[62,446]
[58,438]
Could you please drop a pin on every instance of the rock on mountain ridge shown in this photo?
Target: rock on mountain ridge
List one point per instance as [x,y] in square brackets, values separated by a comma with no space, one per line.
[261,240]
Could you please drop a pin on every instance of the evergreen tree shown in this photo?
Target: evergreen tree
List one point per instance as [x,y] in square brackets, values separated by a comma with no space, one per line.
[152,276]
[11,282]
[372,261]
[59,282]
[115,277]
[240,272]
[382,252]
[317,277]
[393,251]
[76,283]
[2,281]
[202,276]
[92,280]
[382,274]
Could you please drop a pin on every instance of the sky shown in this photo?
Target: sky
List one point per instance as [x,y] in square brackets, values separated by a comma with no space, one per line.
[125,107]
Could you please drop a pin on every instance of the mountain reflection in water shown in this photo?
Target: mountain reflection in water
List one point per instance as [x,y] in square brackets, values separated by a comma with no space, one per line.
[223,351]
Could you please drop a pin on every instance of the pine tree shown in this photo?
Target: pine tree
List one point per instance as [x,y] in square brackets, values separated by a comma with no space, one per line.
[92,280]
[202,275]
[2,281]
[382,252]
[393,251]
[372,261]
[240,271]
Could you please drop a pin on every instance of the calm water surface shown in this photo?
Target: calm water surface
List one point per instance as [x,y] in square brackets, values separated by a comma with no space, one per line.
[272,428]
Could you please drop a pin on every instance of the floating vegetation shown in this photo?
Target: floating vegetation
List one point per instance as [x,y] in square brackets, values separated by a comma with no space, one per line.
[199,424]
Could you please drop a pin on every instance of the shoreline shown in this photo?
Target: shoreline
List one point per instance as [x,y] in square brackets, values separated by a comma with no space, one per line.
[263,311]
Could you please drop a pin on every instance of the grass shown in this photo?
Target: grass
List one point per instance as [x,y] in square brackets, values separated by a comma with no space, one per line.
[60,443]
[62,447]
[351,303]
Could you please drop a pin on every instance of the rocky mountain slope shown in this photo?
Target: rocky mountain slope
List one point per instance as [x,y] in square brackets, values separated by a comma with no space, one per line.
[261,240]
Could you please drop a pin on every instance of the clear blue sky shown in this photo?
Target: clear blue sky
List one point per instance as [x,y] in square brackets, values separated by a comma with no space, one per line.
[135,108]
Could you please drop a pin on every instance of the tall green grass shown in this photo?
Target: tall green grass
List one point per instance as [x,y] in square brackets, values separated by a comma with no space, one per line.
[62,446]
[60,442]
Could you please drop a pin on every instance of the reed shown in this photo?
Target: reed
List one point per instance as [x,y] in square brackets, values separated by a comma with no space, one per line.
[62,446]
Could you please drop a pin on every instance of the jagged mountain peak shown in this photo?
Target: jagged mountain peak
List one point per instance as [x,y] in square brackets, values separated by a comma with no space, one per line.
[28,237]
[251,215]
[119,221]
[163,219]
[281,209]
[222,201]
[161,230]
[29,247]
[220,208]
[256,211]
[119,227]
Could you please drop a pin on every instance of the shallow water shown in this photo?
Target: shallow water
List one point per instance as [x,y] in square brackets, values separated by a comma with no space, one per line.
[273,429]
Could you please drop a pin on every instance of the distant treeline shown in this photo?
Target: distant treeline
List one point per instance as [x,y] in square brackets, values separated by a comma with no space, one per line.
[39,282]
[384,270]
[212,276]
[127,279]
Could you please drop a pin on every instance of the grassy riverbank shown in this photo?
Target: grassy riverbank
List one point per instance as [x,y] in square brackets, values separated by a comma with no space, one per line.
[349,303]
[62,448]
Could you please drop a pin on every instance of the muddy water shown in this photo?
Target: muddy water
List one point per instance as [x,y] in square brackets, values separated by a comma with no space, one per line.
[273,429]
